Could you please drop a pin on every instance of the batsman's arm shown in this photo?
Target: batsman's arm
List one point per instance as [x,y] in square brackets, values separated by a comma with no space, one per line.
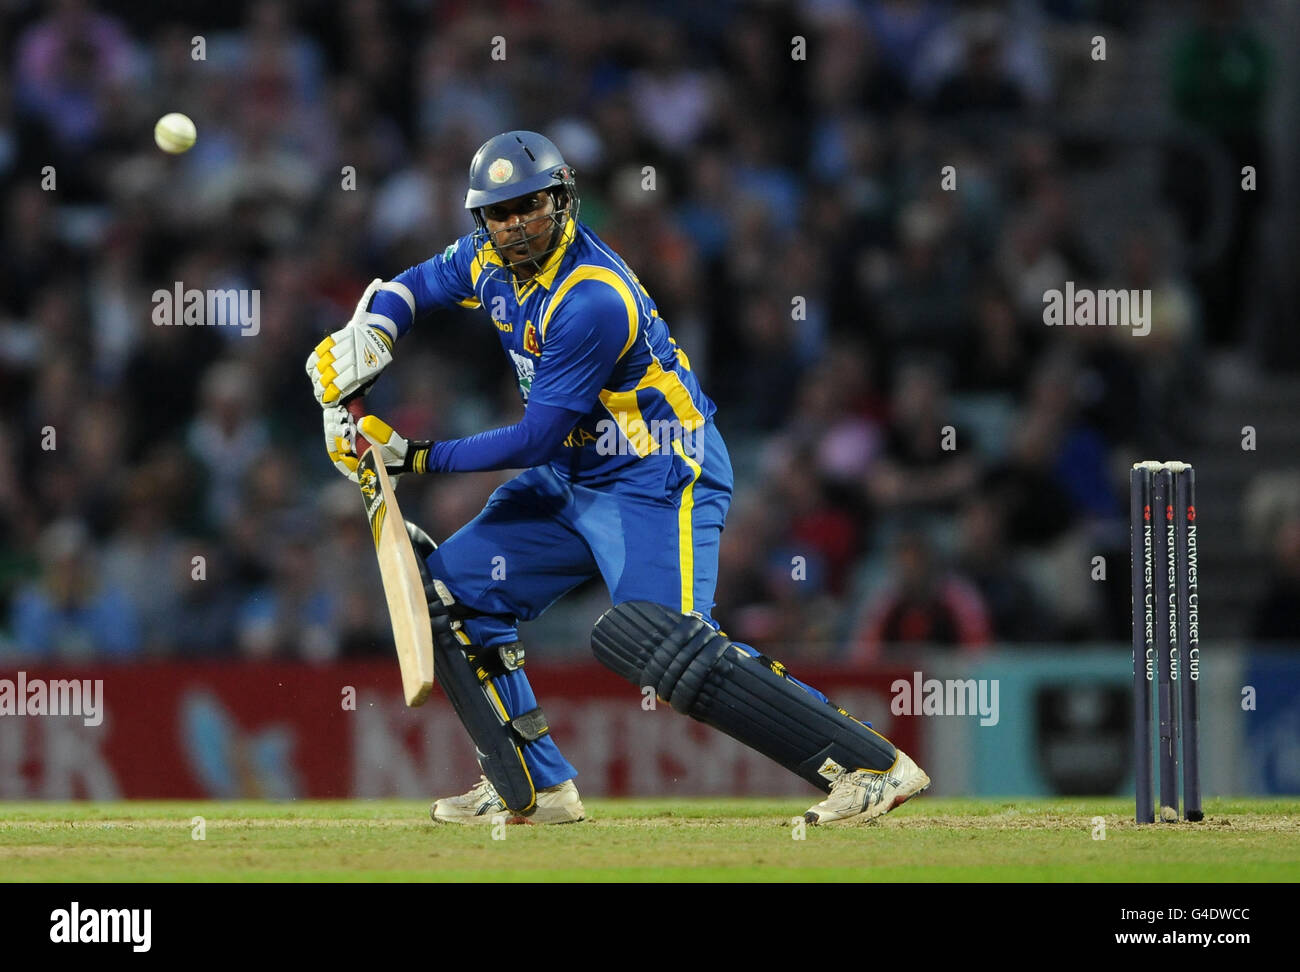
[594,326]
[520,446]
[530,442]
[346,362]
[447,280]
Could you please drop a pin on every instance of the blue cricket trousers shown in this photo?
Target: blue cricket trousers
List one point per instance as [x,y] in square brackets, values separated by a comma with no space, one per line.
[543,536]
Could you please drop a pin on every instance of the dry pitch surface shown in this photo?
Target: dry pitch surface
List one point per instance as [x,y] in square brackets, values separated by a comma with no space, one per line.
[745,840]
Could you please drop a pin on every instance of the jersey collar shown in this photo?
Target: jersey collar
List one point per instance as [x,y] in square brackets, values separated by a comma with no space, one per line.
[552,265]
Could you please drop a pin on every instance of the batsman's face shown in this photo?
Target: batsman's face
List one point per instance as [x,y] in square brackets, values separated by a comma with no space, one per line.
[521,229]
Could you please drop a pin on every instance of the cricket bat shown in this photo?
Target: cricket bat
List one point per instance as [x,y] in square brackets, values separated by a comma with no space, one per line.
[407,608]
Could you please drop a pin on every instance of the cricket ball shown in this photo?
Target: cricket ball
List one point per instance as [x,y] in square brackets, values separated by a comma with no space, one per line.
[174,133]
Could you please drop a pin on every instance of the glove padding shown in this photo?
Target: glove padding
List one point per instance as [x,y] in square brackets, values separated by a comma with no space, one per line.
[399,455]
[350,359]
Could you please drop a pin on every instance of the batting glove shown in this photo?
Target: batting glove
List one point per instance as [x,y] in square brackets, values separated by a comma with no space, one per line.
[351,358]
[399,455]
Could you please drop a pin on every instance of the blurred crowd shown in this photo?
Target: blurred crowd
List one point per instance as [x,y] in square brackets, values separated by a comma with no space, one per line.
[919,459]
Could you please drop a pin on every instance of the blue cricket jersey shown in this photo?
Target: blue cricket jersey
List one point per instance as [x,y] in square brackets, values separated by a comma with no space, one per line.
[581,335]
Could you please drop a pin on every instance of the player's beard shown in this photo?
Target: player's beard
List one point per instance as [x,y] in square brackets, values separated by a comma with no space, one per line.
[530,260]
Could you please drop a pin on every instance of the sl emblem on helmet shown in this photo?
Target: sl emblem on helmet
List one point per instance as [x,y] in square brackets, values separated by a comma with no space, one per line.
[501,170]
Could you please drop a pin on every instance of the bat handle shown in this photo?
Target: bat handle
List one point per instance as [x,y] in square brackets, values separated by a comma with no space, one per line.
[357,409]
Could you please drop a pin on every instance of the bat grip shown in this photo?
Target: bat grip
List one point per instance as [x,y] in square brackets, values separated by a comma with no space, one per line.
[357,409]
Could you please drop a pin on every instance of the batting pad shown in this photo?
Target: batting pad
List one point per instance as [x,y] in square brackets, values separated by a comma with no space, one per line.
[702,673]
[465,673]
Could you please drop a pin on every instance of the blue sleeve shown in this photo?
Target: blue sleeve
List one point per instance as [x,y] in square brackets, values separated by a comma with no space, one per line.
[525,444]
[446,280]
[581,343]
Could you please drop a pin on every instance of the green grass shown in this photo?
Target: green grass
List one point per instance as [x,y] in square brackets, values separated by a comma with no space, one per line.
[647,840]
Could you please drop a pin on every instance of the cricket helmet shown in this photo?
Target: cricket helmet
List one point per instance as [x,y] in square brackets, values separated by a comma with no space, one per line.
[515,164]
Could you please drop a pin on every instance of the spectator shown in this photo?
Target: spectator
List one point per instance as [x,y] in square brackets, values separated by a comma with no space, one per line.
[73,611]
[1277,615]
[1220,80]
[64,63]
[925,605]
[979,84]
[918,471]
[149,563]
[226,438]
[998,359]
[988,560]
[293,614]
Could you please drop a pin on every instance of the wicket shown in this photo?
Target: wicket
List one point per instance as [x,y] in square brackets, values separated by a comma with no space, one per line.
[1166,634]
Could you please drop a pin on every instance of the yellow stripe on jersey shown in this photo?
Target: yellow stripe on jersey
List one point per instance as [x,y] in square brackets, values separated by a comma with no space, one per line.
[671,387]
[626,411]
[605,275]
[623,407]
[682,360]
[485,255]
[685,537]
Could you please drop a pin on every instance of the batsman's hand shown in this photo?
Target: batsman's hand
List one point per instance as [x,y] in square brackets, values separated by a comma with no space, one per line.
[350,359]
[398,454]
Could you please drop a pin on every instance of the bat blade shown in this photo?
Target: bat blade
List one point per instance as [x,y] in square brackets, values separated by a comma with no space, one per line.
[408,610]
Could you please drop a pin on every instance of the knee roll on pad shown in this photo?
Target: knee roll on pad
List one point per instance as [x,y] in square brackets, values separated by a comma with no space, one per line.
[465,672]
[701,673]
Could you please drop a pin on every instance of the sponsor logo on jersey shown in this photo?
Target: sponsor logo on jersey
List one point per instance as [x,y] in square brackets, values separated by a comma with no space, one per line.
[579,438]
[525,369]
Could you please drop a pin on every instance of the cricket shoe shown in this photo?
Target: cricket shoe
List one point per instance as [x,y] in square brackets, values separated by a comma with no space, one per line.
[866,795]
[557,804]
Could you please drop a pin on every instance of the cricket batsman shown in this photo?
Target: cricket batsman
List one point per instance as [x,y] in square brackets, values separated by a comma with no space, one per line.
[626,475]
